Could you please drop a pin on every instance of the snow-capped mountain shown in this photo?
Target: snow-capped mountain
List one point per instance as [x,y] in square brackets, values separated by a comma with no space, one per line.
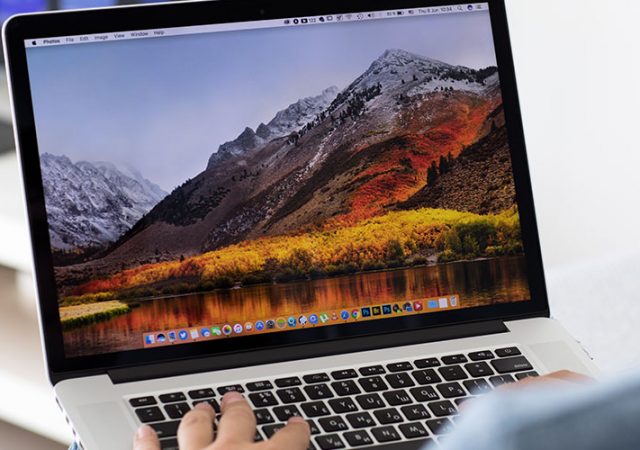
[290,119]
[92,204]
[341,157]
[396,67]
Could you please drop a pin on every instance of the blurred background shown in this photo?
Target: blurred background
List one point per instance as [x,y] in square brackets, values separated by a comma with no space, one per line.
[576,62]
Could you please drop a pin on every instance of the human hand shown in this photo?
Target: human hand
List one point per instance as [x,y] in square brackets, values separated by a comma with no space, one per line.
[236,430]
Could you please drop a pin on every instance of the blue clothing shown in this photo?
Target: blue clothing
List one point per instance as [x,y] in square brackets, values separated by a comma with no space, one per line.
[560,416]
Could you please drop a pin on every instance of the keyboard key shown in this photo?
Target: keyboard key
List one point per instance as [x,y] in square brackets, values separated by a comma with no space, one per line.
[442,408]
[399,366]
[334,423]
[451,390]
[460,401]
[316,378]
[395,398]
[373,384]
[428,376]
[258,437]
[329,442]
[399,380]
[211,401]
[173,397]
[315,409]
[169,444]
[142,401]
[177,410]
[440,426]
[509,351]
[371,370]
[344,374]
[413,430]
[360,420]
[313,427]
[259,386]
[426,363]
[166,429]
[201,393]
[499,380]
[522,376]
[318,391]
[476,387]
[291,395]
[284,412]
[270,430]
[288,382]
[149,414]
[231,388]
[424,394]
[370,401]
[388,415]
[385,434]
[263,398]
[482,355]
[263,416]
[454,359]
[415,412]
[358,438]
[347,387]
[479,369]
[342,405]
[507,365]
[452,373]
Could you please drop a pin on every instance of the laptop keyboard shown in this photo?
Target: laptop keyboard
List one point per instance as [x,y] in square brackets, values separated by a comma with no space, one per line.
[353,407]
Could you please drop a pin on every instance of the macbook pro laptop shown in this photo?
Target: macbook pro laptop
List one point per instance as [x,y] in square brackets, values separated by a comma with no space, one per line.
[325,206]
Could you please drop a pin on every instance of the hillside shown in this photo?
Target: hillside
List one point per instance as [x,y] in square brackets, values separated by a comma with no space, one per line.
[480,180]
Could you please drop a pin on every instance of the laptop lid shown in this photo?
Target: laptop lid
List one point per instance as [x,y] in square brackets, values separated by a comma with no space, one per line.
[214,178]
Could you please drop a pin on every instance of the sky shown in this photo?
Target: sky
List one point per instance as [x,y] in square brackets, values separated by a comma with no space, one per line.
[164,105]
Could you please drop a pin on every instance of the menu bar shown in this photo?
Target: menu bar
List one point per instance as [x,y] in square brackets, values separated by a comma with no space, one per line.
[275,23]
[299,321]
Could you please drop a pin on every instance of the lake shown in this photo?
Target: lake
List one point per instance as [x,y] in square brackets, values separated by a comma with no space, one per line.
[478,283]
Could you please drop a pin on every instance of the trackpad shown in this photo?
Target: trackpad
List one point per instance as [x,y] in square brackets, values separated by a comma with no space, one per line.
[558,356]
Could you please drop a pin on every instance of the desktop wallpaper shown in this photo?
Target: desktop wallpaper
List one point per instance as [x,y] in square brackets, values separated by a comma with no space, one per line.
[216,178]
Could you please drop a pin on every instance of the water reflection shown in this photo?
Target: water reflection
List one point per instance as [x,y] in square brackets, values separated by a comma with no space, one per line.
[477,283]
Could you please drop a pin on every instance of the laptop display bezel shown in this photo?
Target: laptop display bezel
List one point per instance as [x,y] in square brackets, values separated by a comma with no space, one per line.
[36,26]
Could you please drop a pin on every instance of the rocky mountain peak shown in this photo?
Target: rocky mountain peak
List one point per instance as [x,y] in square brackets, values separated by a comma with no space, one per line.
[92,204]
[292,118]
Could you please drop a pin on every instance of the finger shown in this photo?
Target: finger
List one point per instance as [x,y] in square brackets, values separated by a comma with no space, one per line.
[196,428]
[295,436]
[146,439]
[552,378]
[237,424]
[573,377]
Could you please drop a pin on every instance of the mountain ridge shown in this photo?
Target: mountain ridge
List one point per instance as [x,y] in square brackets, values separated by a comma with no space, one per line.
[92,204]
[368,151]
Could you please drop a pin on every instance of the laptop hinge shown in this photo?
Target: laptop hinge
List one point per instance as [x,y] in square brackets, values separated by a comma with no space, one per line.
[303,351]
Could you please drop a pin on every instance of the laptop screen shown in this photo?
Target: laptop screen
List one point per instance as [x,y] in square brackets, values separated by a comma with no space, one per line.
[230,180]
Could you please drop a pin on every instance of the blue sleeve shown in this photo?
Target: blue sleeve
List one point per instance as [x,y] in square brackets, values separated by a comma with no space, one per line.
[560,416]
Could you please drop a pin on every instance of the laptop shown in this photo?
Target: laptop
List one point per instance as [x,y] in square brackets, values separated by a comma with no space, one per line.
[324,206]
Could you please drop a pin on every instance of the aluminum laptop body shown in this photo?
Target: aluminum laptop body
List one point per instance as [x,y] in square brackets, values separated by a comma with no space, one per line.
[325,206]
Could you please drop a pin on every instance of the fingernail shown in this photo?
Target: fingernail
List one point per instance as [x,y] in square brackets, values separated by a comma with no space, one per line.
[145,431]
[205,406]
[232,397]
[295,419]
